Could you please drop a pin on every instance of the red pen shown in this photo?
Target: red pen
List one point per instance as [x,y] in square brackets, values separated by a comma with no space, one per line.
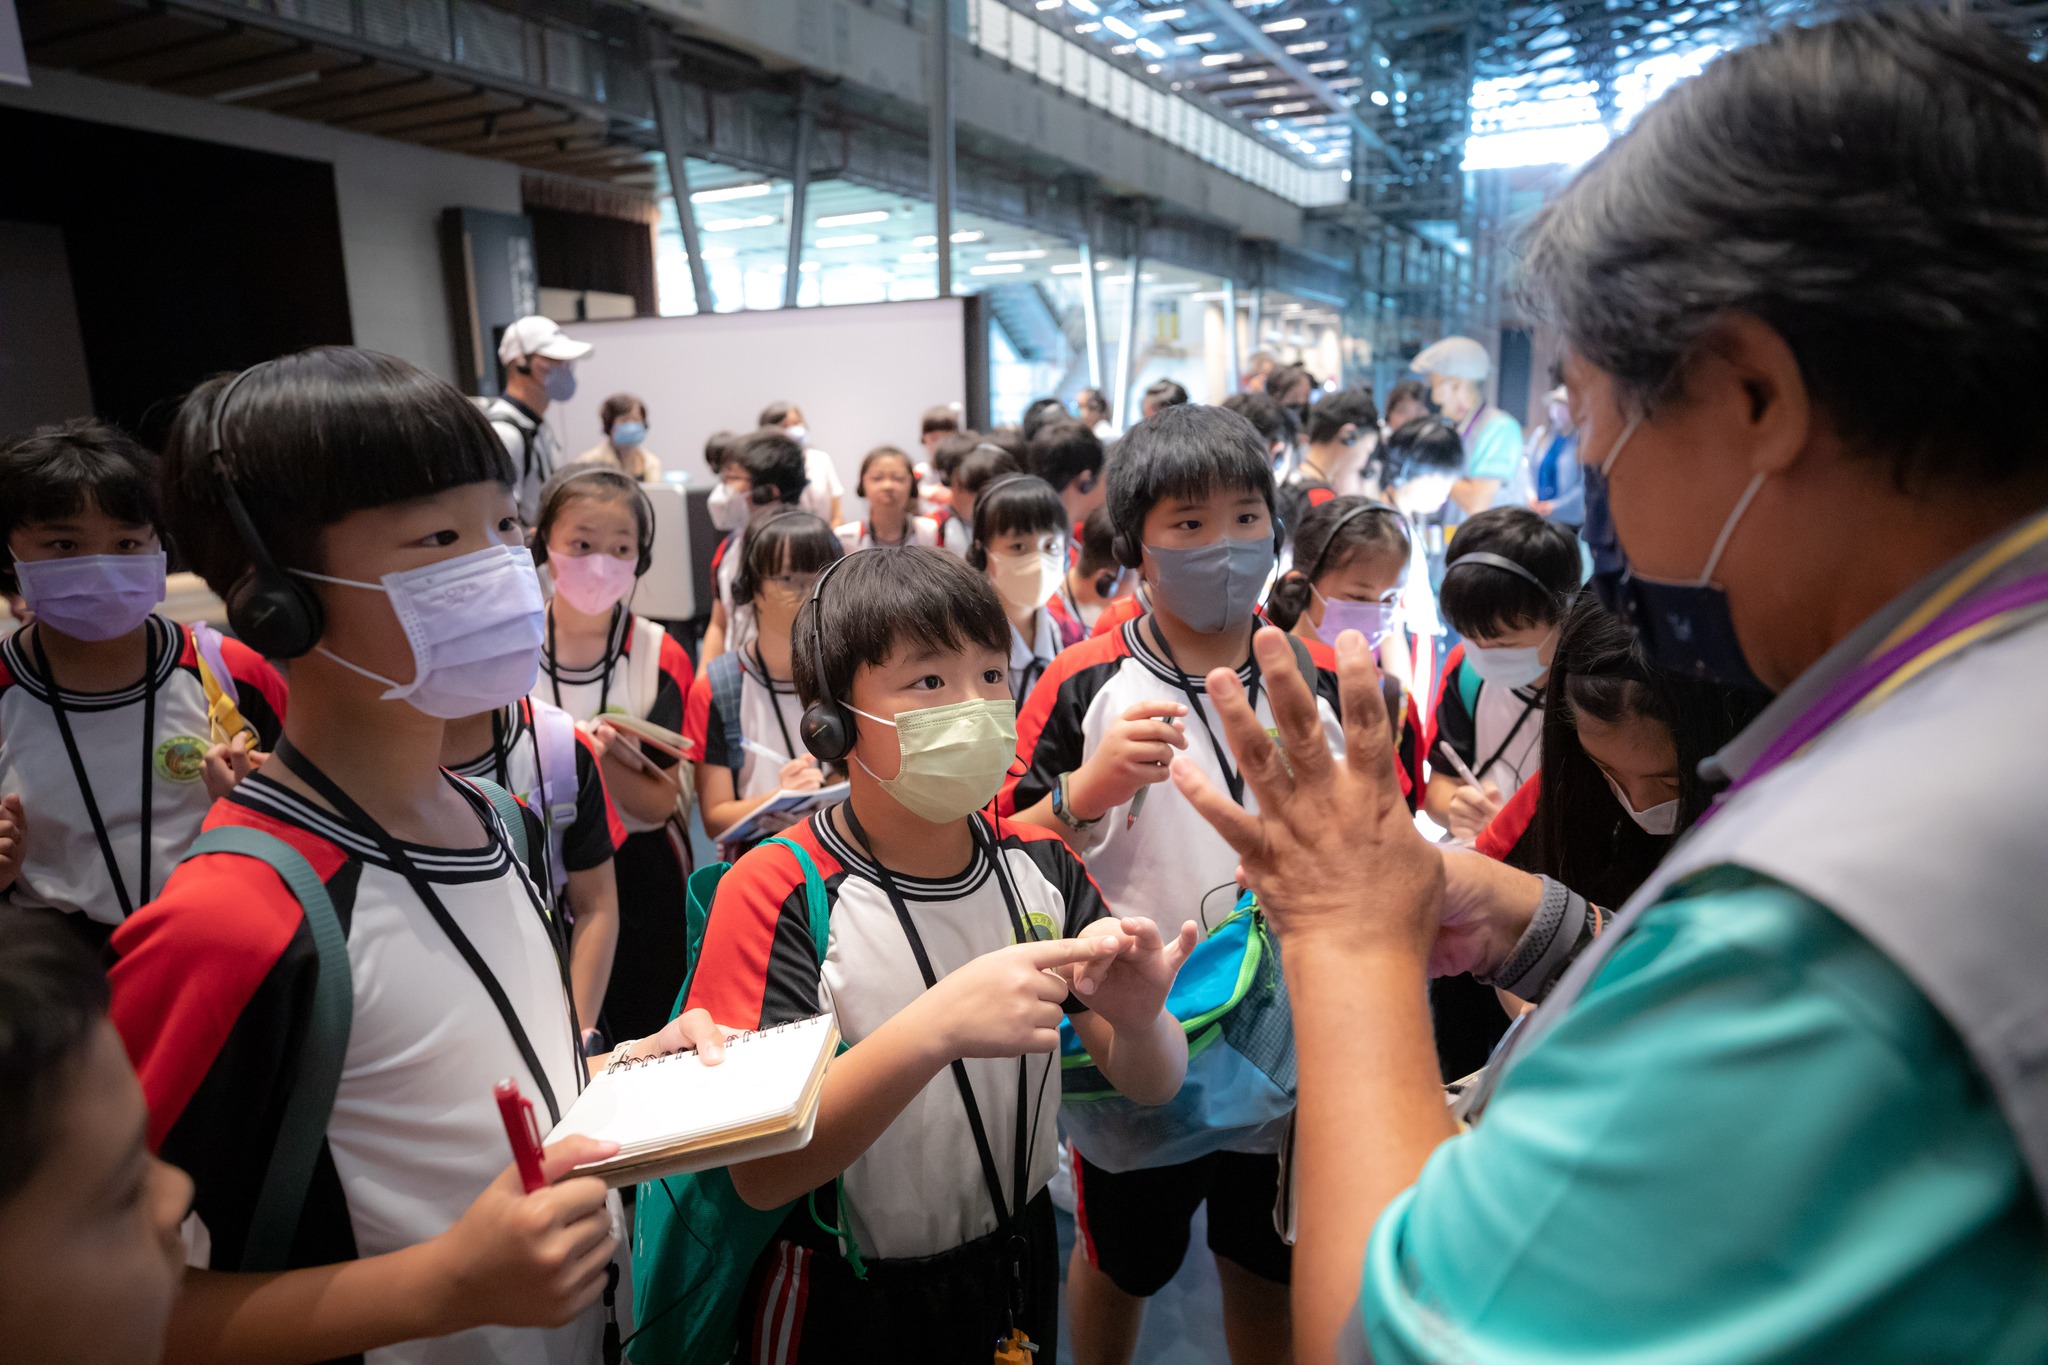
[524,1133]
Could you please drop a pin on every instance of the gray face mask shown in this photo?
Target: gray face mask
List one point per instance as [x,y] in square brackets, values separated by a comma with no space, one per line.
[1212,587]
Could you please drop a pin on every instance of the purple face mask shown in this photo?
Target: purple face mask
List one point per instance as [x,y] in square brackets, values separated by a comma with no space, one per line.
[1371,619]
[92,597]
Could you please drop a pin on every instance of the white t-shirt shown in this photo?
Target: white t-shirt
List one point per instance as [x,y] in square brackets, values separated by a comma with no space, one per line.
[860,535]
[1030,658]
[821,483]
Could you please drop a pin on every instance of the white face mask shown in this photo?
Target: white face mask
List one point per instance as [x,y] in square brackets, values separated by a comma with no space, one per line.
[728,509]
[1025,581]
[1661,818]
[474,623]
[798,433]
[1510,666]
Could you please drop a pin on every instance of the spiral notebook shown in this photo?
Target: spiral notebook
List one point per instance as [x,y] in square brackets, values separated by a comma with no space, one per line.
[672,1113]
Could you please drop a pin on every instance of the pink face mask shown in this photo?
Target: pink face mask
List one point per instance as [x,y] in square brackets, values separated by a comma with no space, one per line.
[592,583]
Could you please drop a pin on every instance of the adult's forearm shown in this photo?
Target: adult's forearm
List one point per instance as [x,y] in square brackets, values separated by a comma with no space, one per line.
[306,1315]
[1371,1110]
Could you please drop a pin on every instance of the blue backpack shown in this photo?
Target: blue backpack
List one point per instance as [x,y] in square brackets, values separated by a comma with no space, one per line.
[1232,1002]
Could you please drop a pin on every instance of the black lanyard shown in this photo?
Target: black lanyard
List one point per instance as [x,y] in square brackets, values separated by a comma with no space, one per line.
[92,805]
[1479,772]
[501,764]
[355,816]
[1009,1213]
[1036,668]
[1231,776]
[611,658]
[909,534]
[789,749]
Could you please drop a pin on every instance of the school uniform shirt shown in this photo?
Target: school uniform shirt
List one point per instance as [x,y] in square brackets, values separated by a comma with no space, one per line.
[1030,658]
[860,535]
[212,986]
[65,868]
[821,484]
[955,536]
[1117,614]
[1499,727]
[533,446]
[513,762]
[918,1190]
[1171,860]
[770,715]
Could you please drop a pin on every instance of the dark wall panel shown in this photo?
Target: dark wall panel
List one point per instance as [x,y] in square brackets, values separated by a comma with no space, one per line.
[187,257]
[586,251]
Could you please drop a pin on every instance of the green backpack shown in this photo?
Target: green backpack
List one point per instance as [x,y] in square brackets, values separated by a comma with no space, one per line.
[695,1241]
[303,1128]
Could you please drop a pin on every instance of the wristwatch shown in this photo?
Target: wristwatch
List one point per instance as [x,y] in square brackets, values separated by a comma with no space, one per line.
[1064,811]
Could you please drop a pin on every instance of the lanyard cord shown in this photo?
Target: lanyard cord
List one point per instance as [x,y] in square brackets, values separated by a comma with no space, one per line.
[92,805]
[355,816]
[611,658]
[1480,772]
[1231,776]
[789,749]
[1009,1221]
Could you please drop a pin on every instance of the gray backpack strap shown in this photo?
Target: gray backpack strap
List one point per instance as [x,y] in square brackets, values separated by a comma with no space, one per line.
[317,1076]
[512,816]
[727,685]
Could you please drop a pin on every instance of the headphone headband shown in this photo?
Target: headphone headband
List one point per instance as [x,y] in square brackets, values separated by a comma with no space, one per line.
[645,504]
[827,726]
[1315,569]
[1487,559]
[273,612]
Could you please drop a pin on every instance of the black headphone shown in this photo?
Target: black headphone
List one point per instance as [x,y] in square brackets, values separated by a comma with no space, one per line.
[271,611]
[1131,555]
[1315,569]
[977,548]
[827,727]
[644,521]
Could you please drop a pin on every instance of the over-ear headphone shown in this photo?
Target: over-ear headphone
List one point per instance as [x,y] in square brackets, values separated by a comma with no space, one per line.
[977,549]
[643,523]
[1315,569]
[828,726]
[271,611]
[1131,555]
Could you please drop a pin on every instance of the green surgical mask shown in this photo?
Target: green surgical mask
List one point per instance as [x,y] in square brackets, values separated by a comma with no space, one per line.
[954,757]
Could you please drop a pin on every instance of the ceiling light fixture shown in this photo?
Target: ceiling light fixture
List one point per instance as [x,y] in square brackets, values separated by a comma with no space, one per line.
[997,270]
[1160,16]
[1031,255]
[1284,26]
[735,224]
[1222,58]
[839,220]
[851,239]
[1297,49]
[1189,39]
[725,192]
[1118,26]
[1241,77]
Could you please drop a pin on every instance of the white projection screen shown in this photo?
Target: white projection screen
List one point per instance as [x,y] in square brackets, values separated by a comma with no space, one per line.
[862,373]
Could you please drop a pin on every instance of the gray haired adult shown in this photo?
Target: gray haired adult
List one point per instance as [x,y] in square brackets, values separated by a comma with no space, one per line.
[1792,1103]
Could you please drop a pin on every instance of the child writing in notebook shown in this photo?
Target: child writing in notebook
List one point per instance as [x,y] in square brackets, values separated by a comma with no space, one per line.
[356,514]
[743,714]
[1191,496]
[595,535]
[108,758]
[935,1135]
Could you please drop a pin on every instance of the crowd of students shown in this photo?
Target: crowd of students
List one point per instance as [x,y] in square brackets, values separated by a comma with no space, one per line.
[282,903]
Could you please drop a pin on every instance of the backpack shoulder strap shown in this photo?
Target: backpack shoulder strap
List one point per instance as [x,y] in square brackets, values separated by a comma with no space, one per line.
[814,896]
[303,1128]
[643,663]
[556,736]
[1468,686]
[511,815]
[728,685]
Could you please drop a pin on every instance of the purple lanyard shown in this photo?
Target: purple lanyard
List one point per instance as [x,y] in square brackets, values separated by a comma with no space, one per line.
[1874,672]
[1472,421]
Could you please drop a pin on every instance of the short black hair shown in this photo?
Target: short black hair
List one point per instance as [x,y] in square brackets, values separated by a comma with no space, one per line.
[1873,190]
[879,453]
[1427,445]
[1272,421]
[1187,451]
[1062,452]
[52,999]
[1487,600]
[1098,535]
[950,451]
[309,438]
[53,472]
[939,418]
[1042,411]
[1091,398]
[984,464]
[1286,377]
[787,541]
[1410,391]
[617,406]
[775,464]
[1020,504]
[718,448]
[775,414]
[600,483]
[1329,535]
[1007,437]
[1335,411]
[1166,393]
[882,599]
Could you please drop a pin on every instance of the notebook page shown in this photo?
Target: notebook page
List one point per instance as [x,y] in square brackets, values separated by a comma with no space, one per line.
[676,1099]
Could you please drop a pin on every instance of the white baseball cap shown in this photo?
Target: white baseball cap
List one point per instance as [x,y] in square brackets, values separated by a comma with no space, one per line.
[540,336]
[1454,358]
